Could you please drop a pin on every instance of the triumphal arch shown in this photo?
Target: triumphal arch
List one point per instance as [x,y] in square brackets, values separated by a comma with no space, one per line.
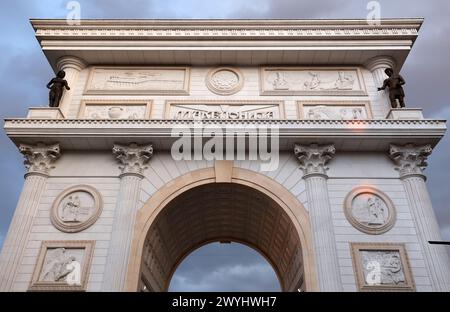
[149,156]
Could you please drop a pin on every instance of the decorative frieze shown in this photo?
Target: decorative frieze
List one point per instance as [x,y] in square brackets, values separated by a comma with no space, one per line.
[369,210]
[410,159]
[62,266]
[76,208]
[382,267]
[133,157]
[138,80]
[39,158]
[224,110]
[311,81]
[334,110]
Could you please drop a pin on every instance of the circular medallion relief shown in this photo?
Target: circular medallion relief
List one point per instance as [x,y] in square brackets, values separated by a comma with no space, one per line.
[76,208]
[224,80]
[369,210]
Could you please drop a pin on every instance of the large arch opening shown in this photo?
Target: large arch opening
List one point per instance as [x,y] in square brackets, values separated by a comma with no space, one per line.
[187,215]
[224,267]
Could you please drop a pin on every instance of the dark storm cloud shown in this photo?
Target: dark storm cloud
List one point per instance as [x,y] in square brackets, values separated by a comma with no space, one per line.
[24,73]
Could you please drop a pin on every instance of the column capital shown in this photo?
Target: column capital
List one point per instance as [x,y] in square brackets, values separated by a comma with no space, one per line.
[314,158]
[380,62]
[39,158]
[69,61]
[410,159]
[133,157]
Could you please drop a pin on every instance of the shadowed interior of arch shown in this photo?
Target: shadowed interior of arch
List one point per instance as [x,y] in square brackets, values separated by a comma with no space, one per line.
[221,212]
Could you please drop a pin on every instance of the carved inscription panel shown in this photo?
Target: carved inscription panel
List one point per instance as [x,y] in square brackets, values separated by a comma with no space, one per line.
[224,110]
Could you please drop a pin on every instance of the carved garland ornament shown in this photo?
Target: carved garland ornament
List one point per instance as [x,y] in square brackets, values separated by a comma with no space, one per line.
[76,209]
[369,210]
[224,80]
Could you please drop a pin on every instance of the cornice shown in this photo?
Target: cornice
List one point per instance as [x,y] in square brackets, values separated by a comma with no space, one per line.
[147,122]
[374,135]
[17,128]
[226,29]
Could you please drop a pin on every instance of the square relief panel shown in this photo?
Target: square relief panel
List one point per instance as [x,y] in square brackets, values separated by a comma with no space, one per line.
[141,80]
[238,110]
[334,110]
[62,266]
[382,267]
[115,110]
[311,81]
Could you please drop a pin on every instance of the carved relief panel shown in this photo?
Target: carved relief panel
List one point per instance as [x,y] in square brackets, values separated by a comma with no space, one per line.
[236,110]
[369,210]
[311,81]
[115,110]
[382,267]
[76,208]
[335,110]
[62,266]
[138,80]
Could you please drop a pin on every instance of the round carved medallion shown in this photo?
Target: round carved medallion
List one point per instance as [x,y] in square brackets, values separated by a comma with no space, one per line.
[76,208]
[224,80]
[369,210]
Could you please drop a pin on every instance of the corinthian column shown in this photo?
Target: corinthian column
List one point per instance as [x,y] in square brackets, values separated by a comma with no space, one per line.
[377,66]
[72,67]
[38,161]
[313,159]
[132,159]
[410,162]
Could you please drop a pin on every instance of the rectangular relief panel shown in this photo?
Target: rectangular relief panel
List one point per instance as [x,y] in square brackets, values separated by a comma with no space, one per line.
[114,109]
[312,81]
[334,110]
[225,110]
[138,80]
[62,266]
[382,267]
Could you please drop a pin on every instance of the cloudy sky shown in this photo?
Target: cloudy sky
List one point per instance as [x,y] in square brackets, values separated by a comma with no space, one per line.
[24,73]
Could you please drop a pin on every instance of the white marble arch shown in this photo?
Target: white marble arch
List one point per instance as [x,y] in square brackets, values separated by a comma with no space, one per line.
[222,172]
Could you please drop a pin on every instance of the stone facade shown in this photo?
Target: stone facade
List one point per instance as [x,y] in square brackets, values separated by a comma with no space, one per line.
[349,190]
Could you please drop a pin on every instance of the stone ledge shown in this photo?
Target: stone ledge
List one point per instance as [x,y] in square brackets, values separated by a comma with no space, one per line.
[405,114]
[44,113]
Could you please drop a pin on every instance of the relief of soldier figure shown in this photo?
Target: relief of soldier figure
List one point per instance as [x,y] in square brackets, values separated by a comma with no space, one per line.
[56,86]
[394,83]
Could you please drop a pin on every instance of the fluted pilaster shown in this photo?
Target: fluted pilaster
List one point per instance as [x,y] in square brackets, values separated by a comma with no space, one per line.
[411,161]
[132,159]
[313,159]
[38,160]
[72,67]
